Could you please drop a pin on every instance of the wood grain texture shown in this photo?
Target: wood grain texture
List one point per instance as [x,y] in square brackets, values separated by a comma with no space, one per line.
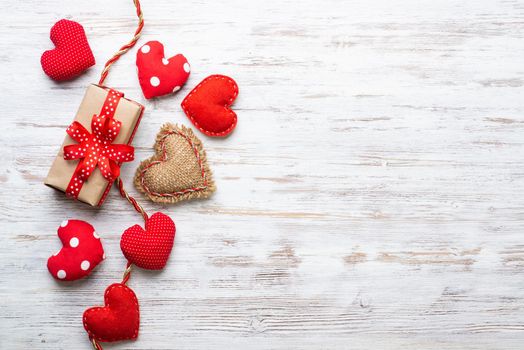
[370,197]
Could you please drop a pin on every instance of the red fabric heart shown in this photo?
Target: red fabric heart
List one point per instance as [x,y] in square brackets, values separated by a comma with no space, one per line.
[71,55]
[82,251]
[119,319]
[158,75]
[207,105]
[149,248]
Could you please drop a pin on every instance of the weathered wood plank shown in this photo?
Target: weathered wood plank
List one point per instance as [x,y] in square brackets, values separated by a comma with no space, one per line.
[369,198]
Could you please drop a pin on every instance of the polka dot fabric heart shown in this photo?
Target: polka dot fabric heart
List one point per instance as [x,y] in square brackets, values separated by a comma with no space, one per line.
[158,75]
[82,251]
[149,248]
[71,55]
[118,320]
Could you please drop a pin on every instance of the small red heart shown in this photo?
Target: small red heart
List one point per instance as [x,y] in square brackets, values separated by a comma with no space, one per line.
[82,251]
[71,55]
[207,105]
[149,248]
[119,319]
[158,75]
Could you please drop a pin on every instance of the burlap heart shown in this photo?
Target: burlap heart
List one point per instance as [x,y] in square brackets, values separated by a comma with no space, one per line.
[178,171]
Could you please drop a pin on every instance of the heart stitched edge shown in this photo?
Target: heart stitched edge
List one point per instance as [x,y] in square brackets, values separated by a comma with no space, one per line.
[97,309]
[160,156]
[226,107]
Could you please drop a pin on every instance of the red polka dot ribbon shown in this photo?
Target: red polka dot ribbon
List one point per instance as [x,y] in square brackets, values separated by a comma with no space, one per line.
[96,148]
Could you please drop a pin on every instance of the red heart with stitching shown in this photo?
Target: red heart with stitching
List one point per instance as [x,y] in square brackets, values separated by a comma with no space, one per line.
[207,105]
[149,248]
[71,55]
[159,75]
[119,319]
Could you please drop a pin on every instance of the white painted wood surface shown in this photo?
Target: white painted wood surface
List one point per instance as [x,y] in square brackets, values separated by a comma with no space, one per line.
[371,196]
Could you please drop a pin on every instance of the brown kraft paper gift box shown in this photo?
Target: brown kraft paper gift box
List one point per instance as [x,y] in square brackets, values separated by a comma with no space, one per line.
[96,187]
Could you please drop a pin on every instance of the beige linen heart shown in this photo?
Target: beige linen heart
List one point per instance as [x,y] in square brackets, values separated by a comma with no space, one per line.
[178,171]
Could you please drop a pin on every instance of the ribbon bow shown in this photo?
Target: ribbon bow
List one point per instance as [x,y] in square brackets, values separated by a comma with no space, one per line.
[94,149]
[97,148]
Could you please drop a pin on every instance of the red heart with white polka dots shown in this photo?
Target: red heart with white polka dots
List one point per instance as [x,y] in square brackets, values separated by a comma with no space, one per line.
[158,75]
[82,251]
[149,248]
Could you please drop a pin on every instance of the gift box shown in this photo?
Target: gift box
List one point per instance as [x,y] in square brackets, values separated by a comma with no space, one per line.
[97,143]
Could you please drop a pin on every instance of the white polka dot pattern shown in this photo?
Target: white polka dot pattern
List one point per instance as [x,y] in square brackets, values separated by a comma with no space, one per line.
[82,251]
[74,242]
[85,265]
[154,81]
[157,74]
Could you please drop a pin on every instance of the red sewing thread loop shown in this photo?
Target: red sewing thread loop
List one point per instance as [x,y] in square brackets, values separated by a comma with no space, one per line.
[127,273]
[103,76]
[95,344]
[127,46]
[123,193]
[130,199]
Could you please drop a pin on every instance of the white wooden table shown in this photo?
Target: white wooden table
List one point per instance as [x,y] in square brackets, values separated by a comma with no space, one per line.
[371,196]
